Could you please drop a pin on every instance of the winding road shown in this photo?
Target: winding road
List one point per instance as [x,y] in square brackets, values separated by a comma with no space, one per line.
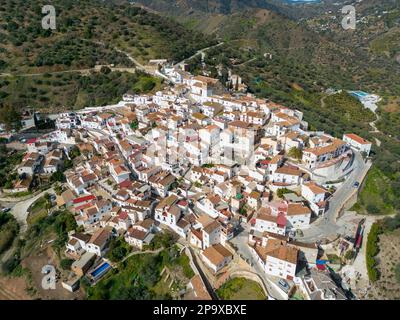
[20,210]
[327,226]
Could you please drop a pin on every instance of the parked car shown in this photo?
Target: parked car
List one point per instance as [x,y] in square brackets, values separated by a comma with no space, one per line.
[284,285]
[356,184]
[5,210]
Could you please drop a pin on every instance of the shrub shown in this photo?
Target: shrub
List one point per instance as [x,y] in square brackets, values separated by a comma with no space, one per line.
[118,249]
[66,264]
[295,153]
[10,265]
[57,176]
[372,251]
[105,70]
[163,239]
[372,209]
[283,191]
[397,273]
[349,255]
[8,230]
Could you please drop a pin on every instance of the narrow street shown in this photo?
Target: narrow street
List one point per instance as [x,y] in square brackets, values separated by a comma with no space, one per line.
[240,241]
[203,276]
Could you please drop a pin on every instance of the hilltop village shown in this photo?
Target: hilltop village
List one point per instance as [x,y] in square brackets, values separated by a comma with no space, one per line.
[204,164]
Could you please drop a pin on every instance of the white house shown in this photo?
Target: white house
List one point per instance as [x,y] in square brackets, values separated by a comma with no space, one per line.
[288,175]
[298,216]
[80,243]
[315,195]
[51,166]
[357,143]
[167,212]
[140,233]
[119,172]
[98,242]
[316,156]
[216,257]
[277,258]
[212,234]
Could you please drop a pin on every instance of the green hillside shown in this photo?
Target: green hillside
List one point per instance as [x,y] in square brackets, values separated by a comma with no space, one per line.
[88,33]
[82,26]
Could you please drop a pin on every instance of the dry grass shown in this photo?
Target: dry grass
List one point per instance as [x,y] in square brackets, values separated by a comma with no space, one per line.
[387,288]
[393,105]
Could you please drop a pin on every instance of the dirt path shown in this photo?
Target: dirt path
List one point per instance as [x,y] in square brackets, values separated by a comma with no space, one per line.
[20,210]
[81,71]
[13,289]
[201,51]
[142,252]
[243,63]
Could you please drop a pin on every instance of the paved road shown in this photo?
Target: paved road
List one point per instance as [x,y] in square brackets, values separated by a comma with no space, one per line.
[20,210]
[321,229]
[327,226]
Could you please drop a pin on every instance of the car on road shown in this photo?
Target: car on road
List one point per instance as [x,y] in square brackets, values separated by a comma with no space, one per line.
[284,285]
[356,184]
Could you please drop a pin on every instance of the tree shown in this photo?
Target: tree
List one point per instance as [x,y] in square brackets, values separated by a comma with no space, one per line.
[162,240]
[349,255]
[58,189]
[134,124]
[397,272]
[66,264]
[295,153]
[11,264]
[283,191]
[68,164]
[147,84]
[57,176]
[117,254]
[243,211]
[105,70]
[117,250]
[75,152]
[47,203]
[10,117]
[372,209]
